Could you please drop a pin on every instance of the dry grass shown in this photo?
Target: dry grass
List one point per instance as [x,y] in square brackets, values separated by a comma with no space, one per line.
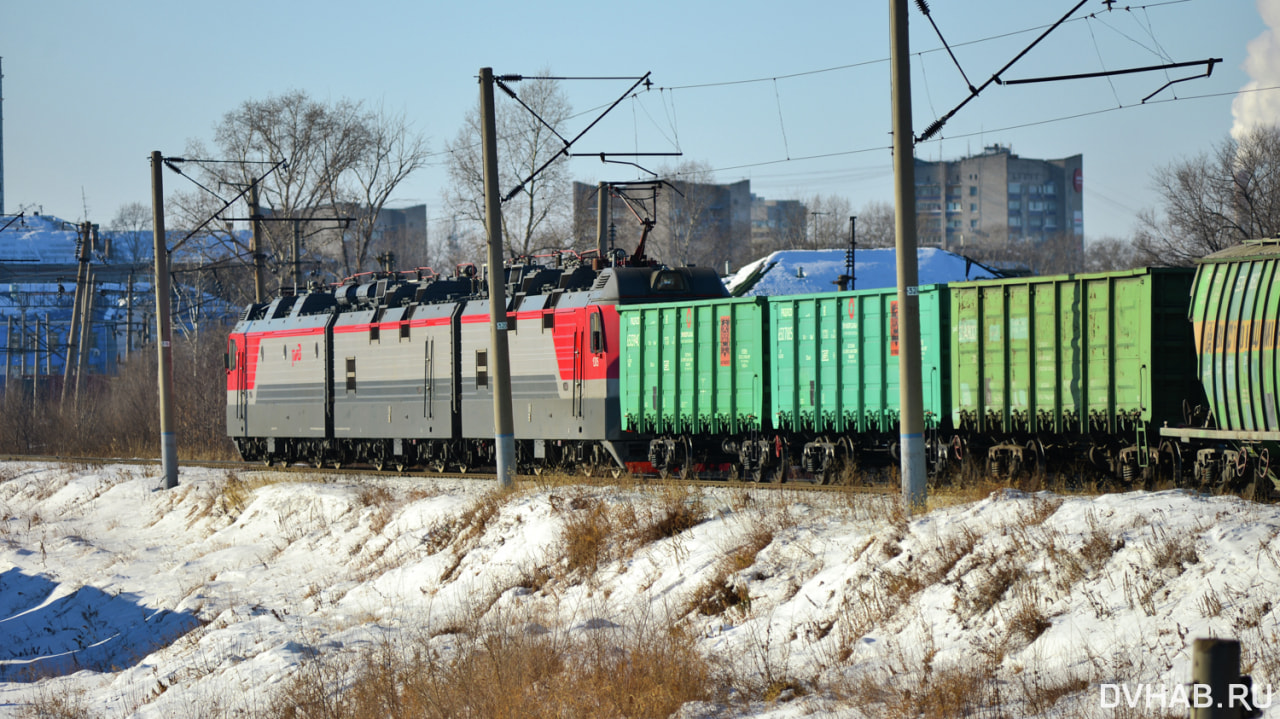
[116,416]
[504,672]
[597,530]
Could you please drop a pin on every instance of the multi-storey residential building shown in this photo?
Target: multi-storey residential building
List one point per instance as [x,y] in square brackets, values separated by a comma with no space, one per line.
[777,224]
[998,197]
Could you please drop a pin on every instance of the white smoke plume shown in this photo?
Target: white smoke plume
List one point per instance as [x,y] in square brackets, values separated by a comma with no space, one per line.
[1251,109]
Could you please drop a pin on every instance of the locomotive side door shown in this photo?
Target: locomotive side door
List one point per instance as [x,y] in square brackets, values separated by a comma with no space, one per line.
[236,357]
[577,369]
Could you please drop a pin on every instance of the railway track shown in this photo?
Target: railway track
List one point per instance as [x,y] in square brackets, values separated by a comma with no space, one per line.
[801,484]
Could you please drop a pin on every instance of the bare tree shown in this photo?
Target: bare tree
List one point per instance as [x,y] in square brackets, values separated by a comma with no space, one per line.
[877,226]
[129,231]
[687,233]
[331,160]
[1214,200]
[1111,253]
[828,225]
[540,215]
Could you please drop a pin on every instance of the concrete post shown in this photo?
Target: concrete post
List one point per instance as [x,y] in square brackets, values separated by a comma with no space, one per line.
[164,370]
[914,470]
[503,422]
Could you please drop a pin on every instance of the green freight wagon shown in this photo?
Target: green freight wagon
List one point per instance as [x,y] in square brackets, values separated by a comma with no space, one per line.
[693,374]
[835,382]
[1057,366]
[1234,306]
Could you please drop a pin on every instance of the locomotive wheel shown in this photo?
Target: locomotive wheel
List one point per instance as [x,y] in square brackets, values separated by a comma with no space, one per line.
[735,472]
[379,463]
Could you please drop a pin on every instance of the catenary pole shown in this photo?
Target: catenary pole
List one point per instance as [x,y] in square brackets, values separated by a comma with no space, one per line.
[164,372]
[255,215]
[73,331]
[602,224]
[911,399]
[503,424]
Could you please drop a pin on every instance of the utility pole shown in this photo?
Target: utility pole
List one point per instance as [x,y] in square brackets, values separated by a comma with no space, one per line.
[128,321]
[86,339]
[255,220]
[164,372]
[602,224]
[911,401]
[82,276]
[297,259]
[503,423]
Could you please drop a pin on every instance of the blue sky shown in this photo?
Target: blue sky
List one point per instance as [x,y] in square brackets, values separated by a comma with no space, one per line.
[793,96]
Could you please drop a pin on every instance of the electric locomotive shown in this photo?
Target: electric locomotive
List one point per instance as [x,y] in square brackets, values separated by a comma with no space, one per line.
[395,369]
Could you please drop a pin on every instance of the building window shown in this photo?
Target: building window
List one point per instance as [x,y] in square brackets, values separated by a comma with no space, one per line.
[973,224]
[1015,188]
[973,207]
[973,190]
[1050,189]
[1015,221]
[1015,205]
[953,207]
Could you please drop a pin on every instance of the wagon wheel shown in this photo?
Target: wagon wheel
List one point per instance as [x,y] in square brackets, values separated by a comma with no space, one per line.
[1262,467]
[779,473]
[1242,463]
[735,472]
[686,466]
[957,448]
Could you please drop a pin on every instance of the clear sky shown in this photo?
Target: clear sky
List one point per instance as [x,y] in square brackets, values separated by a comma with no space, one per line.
[791,95]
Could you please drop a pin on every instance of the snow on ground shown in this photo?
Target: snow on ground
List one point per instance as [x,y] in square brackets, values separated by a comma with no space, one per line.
[204,600]
[791,272]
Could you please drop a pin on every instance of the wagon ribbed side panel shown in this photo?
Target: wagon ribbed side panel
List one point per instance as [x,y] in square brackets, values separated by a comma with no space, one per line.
[1073,353]
[694,368]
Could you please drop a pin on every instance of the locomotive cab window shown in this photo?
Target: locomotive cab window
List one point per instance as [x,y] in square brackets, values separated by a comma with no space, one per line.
[232,351]
[597,333]
[482,368]
[669,281]
[549,320]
